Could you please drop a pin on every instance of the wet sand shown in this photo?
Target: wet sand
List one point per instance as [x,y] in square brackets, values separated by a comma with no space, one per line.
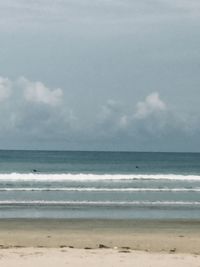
[153,236]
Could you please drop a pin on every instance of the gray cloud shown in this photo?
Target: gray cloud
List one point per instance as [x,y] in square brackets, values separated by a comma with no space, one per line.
[34,113]
[5,88]
[150,124]
[33,110]
[148,117]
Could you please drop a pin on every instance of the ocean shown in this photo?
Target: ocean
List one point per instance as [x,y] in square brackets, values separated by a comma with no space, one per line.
[102,185]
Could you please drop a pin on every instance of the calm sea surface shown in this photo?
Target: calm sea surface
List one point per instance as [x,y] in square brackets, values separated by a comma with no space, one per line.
[50,184]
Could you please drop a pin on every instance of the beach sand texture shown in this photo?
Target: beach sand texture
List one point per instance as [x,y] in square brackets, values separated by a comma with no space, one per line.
[99,243]
[51,257]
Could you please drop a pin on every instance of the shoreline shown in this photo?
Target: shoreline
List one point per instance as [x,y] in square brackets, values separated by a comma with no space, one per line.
[170,236]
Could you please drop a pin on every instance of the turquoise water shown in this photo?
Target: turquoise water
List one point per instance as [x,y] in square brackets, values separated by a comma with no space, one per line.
[53,184]
[99,162]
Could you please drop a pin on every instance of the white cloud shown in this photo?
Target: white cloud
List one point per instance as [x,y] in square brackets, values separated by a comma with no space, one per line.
[5,88]
[151,116]
[34,111]
[151,105]
[39,93]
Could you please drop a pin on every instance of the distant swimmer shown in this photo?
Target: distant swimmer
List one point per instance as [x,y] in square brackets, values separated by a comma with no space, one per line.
[137,167]
[34,170]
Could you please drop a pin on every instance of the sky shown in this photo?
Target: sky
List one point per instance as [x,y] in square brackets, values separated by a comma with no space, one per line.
[119,75]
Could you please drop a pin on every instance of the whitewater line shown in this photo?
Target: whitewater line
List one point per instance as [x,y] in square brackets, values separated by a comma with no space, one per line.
[93,189]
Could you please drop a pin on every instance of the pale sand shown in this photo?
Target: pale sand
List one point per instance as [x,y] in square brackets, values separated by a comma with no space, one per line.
[51,257]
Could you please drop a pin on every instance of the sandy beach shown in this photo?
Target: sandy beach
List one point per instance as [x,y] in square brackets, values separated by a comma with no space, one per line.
[99,242]
[51,257]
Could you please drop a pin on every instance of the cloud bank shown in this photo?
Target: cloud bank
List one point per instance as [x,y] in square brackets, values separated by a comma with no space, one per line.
[33,113]
[152,124]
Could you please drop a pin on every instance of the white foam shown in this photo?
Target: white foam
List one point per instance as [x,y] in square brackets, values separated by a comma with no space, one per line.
[92,177]
[93,189]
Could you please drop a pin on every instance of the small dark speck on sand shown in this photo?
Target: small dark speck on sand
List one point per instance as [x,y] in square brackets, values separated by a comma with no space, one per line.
[124,251]
[126,248]
[102,246]
[4,247]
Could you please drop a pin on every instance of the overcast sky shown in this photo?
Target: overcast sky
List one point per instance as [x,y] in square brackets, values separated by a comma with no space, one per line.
[100,75]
